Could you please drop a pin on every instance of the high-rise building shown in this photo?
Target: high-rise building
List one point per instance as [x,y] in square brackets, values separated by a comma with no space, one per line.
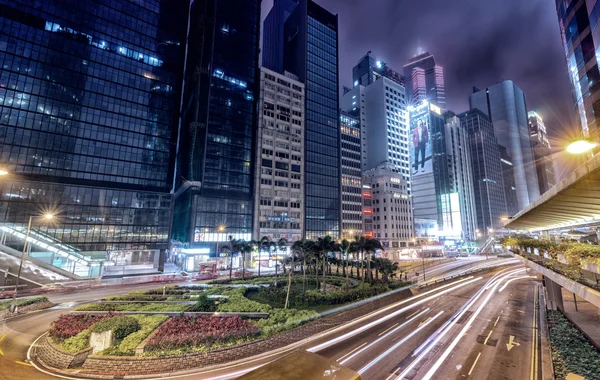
[279,211]
[508,176]
[354,103]
[272,53]
[214,187]
[441,175]
[542,152]
[369,69]
[488,184]
[578,21]
[505,105]
[391,208]
[424,81]
[311,52]
[89,105]
[352,212]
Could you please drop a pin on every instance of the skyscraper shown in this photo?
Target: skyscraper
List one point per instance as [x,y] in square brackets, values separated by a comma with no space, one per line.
[310,47]
[88,125]
[578,19]
[508,176]
[542,152]
[215,177]
[424,81]
[369,69]
[272,53]
[488,184]
[505,105]
[352,212]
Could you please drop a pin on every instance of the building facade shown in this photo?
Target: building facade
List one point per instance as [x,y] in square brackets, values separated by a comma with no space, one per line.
[505,105]
[578,21]
[488,184]
[542,152]
[424,81]
[272,53]
[354,103]
[214,187]
[369,69]
[508,176]
[352,210]
[279,205]
[392,213]
[89,103]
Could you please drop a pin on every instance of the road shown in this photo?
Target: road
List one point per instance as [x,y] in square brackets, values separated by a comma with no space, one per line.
[378,345]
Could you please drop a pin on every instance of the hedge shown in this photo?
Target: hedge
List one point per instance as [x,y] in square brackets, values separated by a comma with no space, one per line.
[23,302]
[127,346]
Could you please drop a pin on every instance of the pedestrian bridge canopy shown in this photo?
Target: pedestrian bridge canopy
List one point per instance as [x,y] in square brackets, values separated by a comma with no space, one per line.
[574,201]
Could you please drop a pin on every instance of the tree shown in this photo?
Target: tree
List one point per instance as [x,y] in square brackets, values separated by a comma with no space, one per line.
[245,247]
[371,246]
[233,246]
[280,246]
[323,247]
[264,245]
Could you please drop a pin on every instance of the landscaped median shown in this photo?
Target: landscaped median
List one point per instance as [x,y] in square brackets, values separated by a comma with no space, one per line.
[181,328]
[25,305]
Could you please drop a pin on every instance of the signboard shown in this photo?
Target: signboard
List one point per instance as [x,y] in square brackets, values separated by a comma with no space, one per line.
[420,147]
[426,228]
[280,219]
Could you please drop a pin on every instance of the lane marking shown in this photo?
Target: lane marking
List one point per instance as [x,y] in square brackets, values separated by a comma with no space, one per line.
[388,329]
[23,363]
[352,351]
[393,374]
[533,371]
[1,339]
[412,314]
[488,337]
[497,319]
[474,363]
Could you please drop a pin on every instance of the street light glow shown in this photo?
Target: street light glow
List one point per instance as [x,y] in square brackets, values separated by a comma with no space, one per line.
[504,218]
[581,146]
[3,171]
[48,216]
[221,228]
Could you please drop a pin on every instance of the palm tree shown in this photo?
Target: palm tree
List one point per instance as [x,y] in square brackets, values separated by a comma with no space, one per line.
[324,246]
[263,245]
[345,248]
[280,246]
[234,246]
[360,243]
[371,246]
[255,244]
[245,247]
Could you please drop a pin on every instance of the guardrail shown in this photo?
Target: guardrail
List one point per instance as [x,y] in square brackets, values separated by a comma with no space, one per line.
[460,275]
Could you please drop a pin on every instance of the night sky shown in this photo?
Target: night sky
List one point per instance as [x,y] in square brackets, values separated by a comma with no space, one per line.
[478,42]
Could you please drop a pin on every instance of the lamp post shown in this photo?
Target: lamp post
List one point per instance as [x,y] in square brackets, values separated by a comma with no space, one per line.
[220,228]
[581,146]
[13,305]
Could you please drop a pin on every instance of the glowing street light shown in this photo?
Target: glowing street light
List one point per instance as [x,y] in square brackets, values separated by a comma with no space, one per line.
[504,218]
[581,146]
[3,171]
[221,228]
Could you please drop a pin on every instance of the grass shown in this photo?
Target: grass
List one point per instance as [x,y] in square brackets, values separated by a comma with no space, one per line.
[23,302]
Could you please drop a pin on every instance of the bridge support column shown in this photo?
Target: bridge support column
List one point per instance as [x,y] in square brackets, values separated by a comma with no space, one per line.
[554,295]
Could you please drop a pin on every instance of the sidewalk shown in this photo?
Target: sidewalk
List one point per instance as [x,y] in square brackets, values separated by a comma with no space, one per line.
[586,317]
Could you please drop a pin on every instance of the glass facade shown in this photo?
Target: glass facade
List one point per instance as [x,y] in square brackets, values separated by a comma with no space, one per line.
[89,97]
[578,20]
[425,81]
[219,118]
[488,185]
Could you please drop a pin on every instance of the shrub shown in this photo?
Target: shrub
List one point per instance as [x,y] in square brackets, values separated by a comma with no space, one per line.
[78,342]
[284,319]
[69,325]
[128,345]
[120,326]
[204,304]
[238,303]
[23,302]
[186,331]
[133,307]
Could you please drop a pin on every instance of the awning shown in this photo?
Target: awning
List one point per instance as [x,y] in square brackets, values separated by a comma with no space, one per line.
[573,201]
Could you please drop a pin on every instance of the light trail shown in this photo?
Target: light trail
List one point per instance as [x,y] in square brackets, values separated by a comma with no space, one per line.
[511,280]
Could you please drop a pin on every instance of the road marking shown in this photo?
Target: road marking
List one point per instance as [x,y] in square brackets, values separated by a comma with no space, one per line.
[534,342]
[23,363]
[352,351]
[393,374]
[388,329]
[475,362]
[511,343]
[1,339]
[425,321]
[488,337]
[418,311]
[497,319]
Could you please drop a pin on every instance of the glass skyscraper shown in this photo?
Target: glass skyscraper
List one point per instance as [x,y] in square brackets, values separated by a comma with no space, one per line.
[578,21]
[425,81]
[214,179]
[89,100]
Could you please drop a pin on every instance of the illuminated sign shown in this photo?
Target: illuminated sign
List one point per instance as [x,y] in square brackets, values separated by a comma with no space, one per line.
[367,211]
[367,195]
[435,109]
[403,196]
[395,180]
[369,234]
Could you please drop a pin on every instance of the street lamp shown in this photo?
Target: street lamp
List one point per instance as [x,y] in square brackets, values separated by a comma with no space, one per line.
[581,146]
[47,216]
[3,171]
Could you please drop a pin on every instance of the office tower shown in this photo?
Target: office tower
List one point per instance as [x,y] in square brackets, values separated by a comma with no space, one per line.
[508,176]
[505,105]
[391,208]
[542,152]
[488,184]
[88,126]
[367,199]
[424,81]
[352,213]
[441,172]
[353,102]
[272,53]
[311,52]
[279,211]
[578,19]
[384,122]
[215,171]
[369,69]
[458,152]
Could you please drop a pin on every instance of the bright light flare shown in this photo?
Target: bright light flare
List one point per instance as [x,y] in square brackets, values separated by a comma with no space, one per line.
[3,171]
[581,146]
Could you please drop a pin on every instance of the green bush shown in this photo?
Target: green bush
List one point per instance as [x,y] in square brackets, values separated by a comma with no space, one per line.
[238,303]
[128,345]
[23,302]
[571,351]
[120,326]
[204,304]
[284,319]
[133,307]
[78,342]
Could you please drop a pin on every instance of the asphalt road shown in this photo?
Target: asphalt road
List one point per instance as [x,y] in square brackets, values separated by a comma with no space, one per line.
[378,345]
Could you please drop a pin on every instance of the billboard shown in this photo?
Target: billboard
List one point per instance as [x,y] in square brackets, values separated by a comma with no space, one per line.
[451,217]
[426,228]
[420,138]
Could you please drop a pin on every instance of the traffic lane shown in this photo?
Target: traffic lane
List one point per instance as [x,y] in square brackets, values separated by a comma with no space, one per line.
[476,352]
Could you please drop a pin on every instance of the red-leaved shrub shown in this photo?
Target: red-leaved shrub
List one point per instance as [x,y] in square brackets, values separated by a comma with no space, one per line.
[185,331]
[68,325]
